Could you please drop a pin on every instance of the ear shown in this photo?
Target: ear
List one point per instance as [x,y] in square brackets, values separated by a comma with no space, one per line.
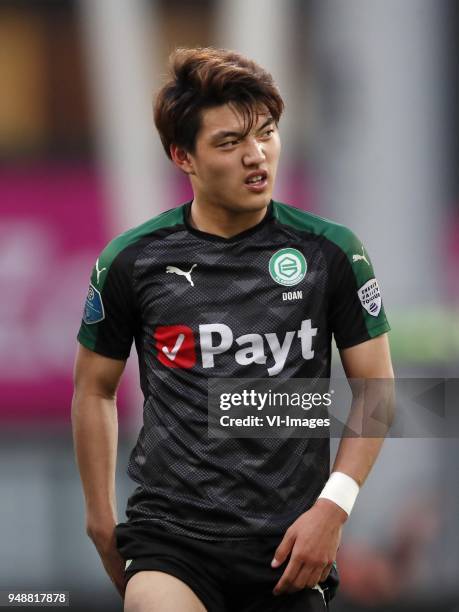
[181,159]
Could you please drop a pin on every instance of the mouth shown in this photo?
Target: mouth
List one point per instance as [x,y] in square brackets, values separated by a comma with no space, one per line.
[257,180]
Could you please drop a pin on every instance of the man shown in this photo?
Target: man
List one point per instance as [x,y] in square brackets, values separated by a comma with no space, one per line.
[230,285]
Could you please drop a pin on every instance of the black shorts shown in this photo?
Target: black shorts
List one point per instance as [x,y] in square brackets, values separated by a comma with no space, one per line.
[227,576]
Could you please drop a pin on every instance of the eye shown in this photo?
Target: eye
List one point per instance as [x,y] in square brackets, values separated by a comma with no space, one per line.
[228,143]
[268,132]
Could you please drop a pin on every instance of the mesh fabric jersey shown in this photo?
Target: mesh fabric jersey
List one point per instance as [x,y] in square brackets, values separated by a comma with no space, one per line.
[264,303]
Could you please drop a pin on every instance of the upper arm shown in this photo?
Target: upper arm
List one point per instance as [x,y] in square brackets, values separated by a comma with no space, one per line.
[96,374]
[110,316]
[356,311]
[370,359]
[357,316]
[108,326]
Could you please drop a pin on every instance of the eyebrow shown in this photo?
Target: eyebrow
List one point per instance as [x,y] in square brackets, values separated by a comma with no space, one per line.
[226,134]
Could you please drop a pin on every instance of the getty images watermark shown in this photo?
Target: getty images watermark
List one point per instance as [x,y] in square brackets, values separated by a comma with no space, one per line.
[321,408]
[270,401]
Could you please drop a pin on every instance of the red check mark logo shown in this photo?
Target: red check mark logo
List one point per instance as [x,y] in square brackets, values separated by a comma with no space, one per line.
[176,346]
[173,353]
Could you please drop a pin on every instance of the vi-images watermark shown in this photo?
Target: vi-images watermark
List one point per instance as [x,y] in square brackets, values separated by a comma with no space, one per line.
[256,407]
[258,401]
[373,408]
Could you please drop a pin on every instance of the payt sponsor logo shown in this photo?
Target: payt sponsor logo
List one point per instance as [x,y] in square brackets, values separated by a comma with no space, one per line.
[176,346]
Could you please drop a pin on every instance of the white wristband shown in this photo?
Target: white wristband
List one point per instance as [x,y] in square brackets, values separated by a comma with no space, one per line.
[341,489]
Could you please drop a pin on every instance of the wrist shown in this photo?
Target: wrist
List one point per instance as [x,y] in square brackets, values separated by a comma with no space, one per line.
[103,537]
[331,511]
[99,526]
[342,490]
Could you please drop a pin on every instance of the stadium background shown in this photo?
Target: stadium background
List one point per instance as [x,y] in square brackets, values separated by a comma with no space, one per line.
[369,139]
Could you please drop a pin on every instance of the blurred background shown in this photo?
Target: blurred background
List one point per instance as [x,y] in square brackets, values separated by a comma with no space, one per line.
[370,139]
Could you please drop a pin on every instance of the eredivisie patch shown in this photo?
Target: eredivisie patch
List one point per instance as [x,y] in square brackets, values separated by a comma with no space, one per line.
[93,308]
[370,297]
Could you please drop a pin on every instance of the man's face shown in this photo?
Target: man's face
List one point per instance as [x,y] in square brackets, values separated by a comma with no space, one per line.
[232,170]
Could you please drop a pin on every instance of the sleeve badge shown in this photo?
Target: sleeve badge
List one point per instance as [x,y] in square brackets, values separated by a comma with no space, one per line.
[93,308]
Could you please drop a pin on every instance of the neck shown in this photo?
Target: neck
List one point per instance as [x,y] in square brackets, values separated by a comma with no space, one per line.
[222,221]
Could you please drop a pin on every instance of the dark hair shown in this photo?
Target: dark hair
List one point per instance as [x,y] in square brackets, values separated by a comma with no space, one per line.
[206,77]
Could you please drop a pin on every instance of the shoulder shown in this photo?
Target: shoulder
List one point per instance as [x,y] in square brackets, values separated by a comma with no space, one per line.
[167,220]
[335,233]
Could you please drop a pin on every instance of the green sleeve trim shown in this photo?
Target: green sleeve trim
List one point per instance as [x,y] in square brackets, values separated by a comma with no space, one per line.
[89,332]
[340,235]
[90,343]
[87,340]
[344,239]
[166,219]
[380,329]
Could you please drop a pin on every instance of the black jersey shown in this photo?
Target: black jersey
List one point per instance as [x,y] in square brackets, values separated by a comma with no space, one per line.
[263,303]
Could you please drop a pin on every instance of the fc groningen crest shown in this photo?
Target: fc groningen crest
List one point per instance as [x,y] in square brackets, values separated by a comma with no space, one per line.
[288,267]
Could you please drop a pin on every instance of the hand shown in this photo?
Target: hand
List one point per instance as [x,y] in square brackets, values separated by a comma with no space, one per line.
[313,540]
[105,542]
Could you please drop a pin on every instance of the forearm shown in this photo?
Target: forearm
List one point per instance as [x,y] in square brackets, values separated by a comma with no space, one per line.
[370,418]
[95,434]
[356,457]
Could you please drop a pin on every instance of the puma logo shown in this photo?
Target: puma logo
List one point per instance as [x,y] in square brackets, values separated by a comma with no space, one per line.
[187,275]
[99,272]
[360,257]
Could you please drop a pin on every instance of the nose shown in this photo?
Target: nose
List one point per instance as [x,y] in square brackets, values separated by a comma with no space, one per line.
[254,153]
